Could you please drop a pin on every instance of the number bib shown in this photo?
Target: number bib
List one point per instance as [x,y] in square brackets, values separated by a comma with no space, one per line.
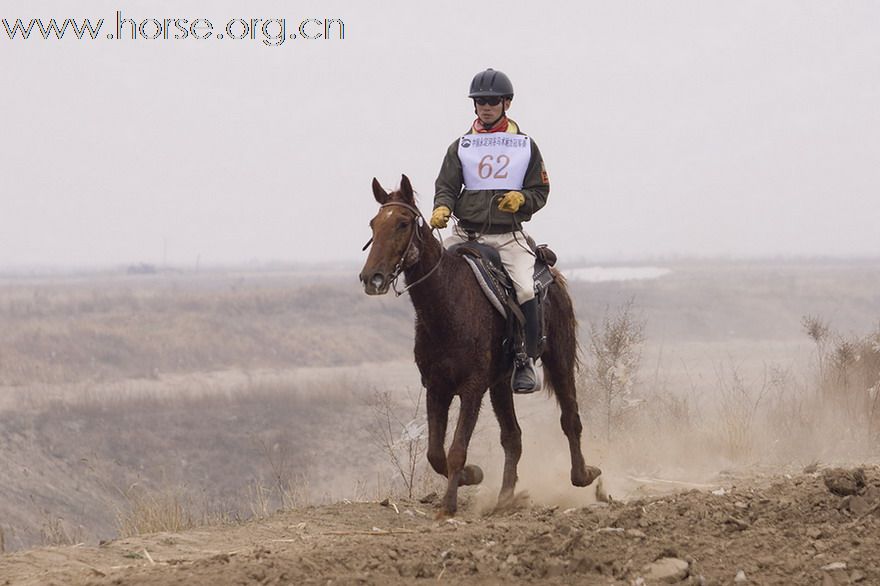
[496,160]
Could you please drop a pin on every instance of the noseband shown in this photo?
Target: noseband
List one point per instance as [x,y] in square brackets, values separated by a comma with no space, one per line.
[416,233]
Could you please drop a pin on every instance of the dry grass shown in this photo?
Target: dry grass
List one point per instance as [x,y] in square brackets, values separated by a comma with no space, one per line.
[768,416]
[153,512]
[141,463]
[739,404]
[57,531]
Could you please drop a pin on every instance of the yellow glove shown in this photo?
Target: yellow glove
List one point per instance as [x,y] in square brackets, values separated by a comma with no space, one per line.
[511,201]
[440,217]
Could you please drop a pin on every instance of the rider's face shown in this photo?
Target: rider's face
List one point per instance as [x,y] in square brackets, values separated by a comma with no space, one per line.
[489,114]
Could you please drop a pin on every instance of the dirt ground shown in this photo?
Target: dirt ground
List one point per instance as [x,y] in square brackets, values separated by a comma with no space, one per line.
[819,527]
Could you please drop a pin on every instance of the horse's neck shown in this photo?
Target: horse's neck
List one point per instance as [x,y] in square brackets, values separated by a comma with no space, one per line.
[430,296]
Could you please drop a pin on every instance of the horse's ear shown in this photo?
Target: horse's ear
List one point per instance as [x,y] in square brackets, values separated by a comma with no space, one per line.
[380,194]
[406,189]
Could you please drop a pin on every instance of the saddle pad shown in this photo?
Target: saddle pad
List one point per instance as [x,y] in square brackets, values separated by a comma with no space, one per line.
[487,284]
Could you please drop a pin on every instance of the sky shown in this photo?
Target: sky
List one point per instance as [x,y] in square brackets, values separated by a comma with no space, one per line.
[669,129]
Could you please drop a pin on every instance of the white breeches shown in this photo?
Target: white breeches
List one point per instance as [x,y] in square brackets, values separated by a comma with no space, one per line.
[516,256]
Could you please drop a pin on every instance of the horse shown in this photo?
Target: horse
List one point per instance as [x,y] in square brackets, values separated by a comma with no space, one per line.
[459,345]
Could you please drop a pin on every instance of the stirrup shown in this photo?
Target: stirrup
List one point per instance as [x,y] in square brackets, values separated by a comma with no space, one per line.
[524,380]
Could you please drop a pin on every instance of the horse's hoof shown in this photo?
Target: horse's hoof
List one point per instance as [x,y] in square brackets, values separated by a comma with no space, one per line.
[511,502]
[505,500]
[471,475]
[585,477]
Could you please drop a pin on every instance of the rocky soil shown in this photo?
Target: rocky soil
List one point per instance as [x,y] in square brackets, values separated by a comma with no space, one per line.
[820,527]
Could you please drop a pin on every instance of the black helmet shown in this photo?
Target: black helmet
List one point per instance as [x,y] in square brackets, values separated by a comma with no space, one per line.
[491,83]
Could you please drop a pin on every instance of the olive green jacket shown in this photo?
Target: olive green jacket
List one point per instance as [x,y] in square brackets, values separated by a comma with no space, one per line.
[477,210]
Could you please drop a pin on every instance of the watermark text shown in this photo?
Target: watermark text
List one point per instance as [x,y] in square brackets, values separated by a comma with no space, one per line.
[272,32]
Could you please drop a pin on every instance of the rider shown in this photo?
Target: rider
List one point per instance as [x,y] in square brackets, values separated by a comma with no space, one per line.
[493,179]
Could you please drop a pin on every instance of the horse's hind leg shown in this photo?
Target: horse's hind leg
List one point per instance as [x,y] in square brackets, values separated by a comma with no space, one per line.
[562,381]
[457,473]
[511,438]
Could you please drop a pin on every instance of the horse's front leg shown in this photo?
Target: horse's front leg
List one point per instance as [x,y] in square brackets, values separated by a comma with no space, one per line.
[437,404]
[457,473]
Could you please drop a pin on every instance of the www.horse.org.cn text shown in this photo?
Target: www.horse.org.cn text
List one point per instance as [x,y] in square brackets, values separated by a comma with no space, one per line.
[272,32]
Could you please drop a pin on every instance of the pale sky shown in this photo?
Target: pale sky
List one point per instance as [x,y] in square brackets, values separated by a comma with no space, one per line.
[686,128]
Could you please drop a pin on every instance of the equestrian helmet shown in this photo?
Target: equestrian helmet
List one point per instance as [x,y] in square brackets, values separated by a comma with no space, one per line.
[491,83]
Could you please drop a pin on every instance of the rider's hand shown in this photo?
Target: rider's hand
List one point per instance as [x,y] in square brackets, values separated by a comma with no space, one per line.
[511,201]
[440,217]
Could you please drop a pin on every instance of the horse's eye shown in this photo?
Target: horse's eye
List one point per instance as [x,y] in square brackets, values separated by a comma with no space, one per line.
[403,224]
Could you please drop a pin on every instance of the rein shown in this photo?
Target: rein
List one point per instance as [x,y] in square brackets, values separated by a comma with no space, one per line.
[416,233]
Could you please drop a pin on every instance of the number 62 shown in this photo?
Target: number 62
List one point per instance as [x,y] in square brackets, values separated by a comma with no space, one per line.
[486,170]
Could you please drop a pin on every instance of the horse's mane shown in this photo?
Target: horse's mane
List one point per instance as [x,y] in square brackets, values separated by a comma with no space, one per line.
[397,195]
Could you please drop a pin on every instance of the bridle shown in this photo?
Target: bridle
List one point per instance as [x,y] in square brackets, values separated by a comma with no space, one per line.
[415,234]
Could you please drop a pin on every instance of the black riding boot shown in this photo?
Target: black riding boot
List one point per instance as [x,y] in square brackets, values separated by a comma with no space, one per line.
[525,377]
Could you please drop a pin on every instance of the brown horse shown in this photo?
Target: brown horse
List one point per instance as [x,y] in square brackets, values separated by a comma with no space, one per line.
[459,349]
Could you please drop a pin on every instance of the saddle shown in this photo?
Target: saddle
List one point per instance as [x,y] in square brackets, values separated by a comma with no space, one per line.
[485,262]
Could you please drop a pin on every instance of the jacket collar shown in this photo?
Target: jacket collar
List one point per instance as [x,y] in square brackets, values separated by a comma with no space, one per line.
[503,125]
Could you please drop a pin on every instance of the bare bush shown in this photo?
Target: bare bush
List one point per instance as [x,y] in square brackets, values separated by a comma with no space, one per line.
[402,439]
[739,401]
[790,415]
[260,498]
[614,356]
[839,402]
[56,531]
[848,378]
[819,332]
[290,486]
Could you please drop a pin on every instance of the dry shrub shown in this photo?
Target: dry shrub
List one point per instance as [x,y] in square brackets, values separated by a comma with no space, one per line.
[149,511]
[791,418]
[834,411]
[56,531]
[400,433]
[777,415]
[819,331]
[848,381]
[614,355]
[288,486]
[739,401]
[260,498]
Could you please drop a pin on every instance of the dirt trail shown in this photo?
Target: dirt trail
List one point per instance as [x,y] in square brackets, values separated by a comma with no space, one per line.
[820,528]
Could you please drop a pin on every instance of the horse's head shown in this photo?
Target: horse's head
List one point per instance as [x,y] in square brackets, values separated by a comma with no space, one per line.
[396,237]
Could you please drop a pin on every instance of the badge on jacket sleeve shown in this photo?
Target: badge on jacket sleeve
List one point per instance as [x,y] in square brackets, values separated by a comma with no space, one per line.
[494,161]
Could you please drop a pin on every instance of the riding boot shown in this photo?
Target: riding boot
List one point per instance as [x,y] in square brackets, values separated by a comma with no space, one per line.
[525,376]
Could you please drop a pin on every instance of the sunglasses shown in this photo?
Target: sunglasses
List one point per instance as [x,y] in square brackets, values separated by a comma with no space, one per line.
[490,101]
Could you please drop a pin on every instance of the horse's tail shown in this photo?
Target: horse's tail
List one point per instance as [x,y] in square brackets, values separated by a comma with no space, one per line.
[562,357]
